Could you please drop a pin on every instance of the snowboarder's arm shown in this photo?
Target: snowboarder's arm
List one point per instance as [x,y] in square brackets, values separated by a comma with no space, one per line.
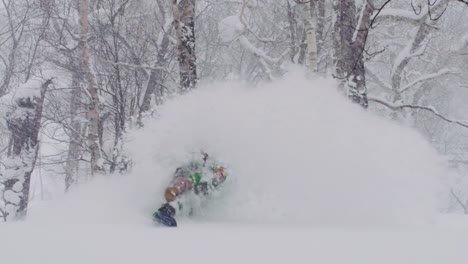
[220,176]
[205,187]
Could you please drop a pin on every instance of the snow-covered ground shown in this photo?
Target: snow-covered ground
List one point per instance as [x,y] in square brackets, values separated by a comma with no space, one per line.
[313,179]
[223,243]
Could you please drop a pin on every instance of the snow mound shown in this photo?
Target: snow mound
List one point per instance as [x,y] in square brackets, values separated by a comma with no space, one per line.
[298,153]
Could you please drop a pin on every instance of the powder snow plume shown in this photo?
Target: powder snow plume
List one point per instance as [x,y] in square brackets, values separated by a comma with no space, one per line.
[298,153]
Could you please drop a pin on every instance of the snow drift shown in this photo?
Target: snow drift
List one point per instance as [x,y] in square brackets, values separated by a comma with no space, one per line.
[298,152]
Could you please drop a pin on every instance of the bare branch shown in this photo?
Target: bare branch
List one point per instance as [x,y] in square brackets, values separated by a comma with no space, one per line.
[376,78]
[396,107]
[429,10]
[460,202]
[136,66]
[417,12]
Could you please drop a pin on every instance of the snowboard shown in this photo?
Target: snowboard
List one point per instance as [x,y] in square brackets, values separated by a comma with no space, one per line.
[164,219]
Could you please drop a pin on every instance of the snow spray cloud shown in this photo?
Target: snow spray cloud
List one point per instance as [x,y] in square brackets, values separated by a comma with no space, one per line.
[298,152]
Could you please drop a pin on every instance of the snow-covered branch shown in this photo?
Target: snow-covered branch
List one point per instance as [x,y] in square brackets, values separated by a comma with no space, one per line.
[130,65]
[235,28]
[401,15]
[246,44]
[427,78]
[412,17]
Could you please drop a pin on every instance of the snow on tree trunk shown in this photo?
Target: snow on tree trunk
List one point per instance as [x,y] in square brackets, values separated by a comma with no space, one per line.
[74,146]
[348,44]
[310,24]
[321,20]
[24,124]
[293,49]
[184,24]
[359,93]
[92,91]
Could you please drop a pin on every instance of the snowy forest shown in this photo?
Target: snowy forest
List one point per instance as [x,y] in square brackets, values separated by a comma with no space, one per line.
[100,99]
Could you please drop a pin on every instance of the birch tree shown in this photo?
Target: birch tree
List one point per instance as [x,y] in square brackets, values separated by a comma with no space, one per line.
[76,139]
[91,90]
[310,24]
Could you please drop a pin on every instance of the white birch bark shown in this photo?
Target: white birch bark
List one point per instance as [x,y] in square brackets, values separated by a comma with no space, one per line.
[74,149]
[310,24]
[92,91]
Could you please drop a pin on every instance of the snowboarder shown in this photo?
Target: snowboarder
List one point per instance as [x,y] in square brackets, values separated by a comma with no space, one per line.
[198,176]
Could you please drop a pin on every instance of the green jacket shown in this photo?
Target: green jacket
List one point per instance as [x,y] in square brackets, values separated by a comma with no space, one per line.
[205,172]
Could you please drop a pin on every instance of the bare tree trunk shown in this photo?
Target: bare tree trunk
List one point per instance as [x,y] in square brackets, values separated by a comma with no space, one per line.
[358,93]
[302,49]
[119,99]
[320,30]
[349,47]
[345,12]
[184,24]
[74,149]
[292,32]
[320,25]
[92,91]
[154,83]
[24,125]
[310,24]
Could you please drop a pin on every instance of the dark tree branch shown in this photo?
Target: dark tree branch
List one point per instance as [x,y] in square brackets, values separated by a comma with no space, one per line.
[429,5]
[460,202]
[3,215]
[417,12]
[417,107]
